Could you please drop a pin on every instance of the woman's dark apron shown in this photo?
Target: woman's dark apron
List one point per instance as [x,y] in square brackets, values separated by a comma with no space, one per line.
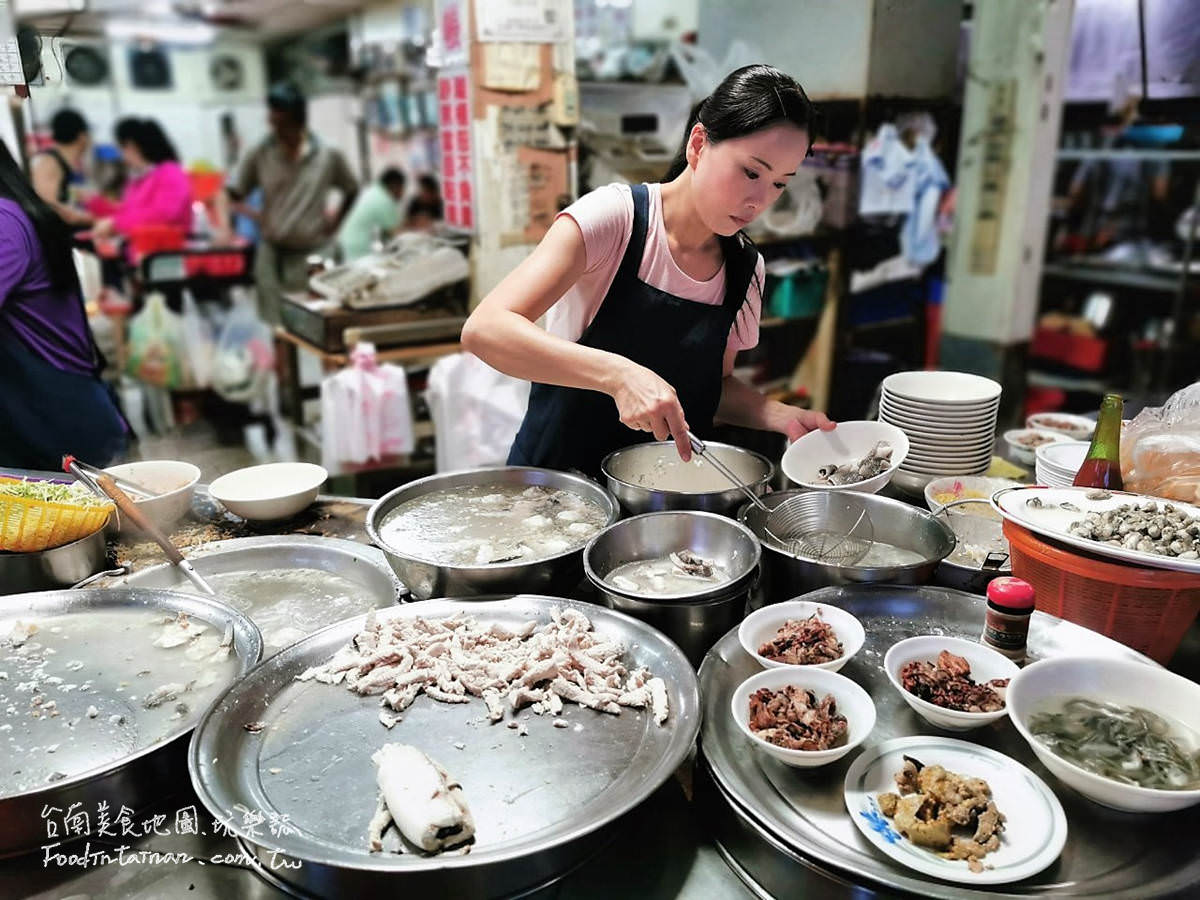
[682,341]
[46,412]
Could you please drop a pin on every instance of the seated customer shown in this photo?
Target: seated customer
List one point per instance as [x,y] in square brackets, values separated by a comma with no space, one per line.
[374,216]
[157,191]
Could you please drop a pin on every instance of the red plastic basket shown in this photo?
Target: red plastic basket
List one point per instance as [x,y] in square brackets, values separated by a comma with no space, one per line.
[147,239]
[1147,609]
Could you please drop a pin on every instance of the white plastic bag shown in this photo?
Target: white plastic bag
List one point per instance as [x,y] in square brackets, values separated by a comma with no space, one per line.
[155,344]
[198,344]
[243,364]
[365,412]
[1160,448]
[476,412]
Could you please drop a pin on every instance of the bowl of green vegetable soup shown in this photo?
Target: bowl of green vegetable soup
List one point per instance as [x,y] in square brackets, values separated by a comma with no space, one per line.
[1123,733]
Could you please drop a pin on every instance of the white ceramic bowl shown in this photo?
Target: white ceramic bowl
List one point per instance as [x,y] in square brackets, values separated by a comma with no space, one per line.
[1027,453]
[959,389]
[978,487]
[985,663]
[852,702]
[1125,682]
[848,442]
[1078,428]
[268,492]
[762,625]
[172,481]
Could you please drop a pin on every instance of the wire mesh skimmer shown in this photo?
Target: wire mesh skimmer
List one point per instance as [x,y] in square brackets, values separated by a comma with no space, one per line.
[790,524]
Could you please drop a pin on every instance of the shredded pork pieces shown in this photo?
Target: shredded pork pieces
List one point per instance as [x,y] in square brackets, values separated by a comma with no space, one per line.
[948,684]
[803,642]
[454,659]
[793,718]
[931,802]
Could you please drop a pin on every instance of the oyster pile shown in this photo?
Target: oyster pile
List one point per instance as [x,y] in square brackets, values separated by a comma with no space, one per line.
[874,463]
[1148,527]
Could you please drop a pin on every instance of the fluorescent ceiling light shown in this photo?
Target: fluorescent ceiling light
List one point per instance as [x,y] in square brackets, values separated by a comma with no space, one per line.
[164,32]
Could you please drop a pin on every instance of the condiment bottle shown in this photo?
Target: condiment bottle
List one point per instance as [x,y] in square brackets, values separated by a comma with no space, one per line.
[1009,606]
[1102,466]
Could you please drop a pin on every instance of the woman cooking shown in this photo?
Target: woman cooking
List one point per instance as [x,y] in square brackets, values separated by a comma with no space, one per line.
[650,291]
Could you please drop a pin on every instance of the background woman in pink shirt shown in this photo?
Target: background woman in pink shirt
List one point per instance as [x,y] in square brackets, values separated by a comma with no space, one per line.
[650,291]
[157,191]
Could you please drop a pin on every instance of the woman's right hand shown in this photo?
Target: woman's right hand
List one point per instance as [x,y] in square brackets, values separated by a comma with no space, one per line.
[646,402]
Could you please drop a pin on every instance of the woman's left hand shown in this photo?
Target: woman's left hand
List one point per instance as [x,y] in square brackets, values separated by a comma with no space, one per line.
[104,228]
[801,421]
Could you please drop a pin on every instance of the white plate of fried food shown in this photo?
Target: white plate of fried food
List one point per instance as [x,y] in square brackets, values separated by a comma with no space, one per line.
[955,810]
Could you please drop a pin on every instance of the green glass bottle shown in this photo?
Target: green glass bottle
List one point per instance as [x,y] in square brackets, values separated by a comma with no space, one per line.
[1102,466]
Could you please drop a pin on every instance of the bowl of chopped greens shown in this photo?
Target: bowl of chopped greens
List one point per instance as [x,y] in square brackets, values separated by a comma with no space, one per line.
[37,514]
[1124,733]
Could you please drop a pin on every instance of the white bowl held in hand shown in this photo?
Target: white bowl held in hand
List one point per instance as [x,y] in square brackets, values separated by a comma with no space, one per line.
[1043,685]
[985,664]
[762,625]
[848,443]
[852,702]
[172,482]
[268,492]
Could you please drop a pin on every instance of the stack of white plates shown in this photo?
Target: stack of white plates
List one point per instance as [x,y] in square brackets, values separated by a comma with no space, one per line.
[1057,464]
[950,420]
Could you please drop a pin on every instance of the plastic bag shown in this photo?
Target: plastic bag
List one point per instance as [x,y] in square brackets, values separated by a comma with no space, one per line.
[1160,448]
[155,344]
[365,412]
[476,412]
[243,364]
[198,343]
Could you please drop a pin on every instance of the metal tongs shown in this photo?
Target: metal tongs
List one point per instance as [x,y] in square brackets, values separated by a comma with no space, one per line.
[104,485]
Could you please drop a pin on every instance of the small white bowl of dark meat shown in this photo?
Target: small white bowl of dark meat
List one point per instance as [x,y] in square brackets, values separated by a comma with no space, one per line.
[801,634]
[804,718]
[855,456]
[951,683]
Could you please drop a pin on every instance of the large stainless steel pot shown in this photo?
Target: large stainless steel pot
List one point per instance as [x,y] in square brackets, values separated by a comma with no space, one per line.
[627,474]
[54,568]
[894,522]
[694,621]
[549,575]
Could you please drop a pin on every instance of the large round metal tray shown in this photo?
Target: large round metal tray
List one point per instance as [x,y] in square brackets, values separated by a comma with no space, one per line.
[538,801]
[362,564]
[789,832]
[132,779]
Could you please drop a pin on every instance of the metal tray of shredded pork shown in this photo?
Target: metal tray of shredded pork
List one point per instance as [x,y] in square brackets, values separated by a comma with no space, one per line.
[787,834]
[298,754]
[95,707]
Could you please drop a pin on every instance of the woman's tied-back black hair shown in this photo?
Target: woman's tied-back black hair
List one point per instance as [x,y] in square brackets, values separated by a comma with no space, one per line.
[52,232]
[748,100]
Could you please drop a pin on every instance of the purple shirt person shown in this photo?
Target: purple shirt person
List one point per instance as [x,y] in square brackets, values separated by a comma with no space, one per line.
[52,401]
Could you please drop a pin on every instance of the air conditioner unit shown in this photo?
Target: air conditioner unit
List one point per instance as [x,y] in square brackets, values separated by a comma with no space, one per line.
[86,64]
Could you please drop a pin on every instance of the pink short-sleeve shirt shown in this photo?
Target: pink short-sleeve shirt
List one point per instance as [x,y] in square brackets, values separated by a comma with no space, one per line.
[605,217]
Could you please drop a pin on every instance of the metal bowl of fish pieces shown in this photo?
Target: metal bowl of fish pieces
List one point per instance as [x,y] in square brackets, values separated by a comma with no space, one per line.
[651,477]
[94,663]
[550,574]
[697,617]
[908,542]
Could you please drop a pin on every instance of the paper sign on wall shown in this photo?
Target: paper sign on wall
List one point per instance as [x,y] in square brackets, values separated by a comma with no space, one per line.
[535,21]
[453,31]
[511,67]
[454,133]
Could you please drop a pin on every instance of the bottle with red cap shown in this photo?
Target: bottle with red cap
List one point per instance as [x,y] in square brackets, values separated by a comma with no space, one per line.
[1009,605]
